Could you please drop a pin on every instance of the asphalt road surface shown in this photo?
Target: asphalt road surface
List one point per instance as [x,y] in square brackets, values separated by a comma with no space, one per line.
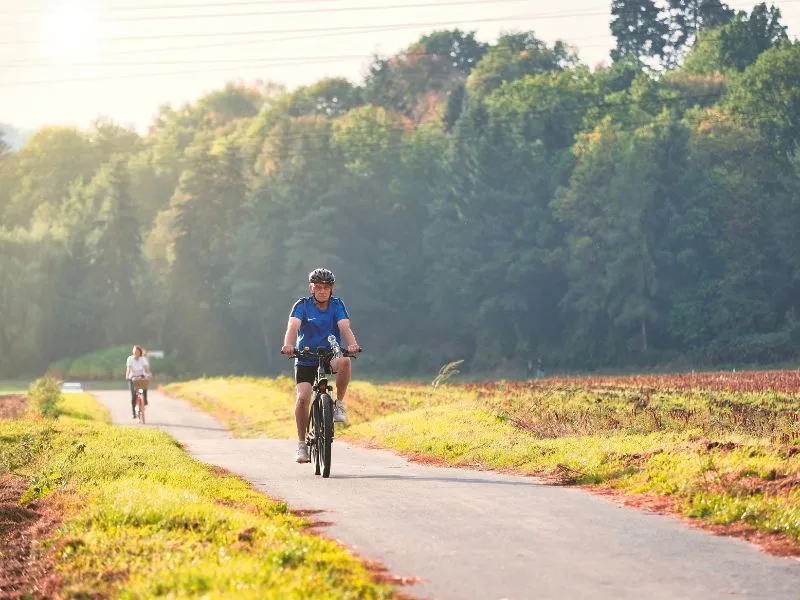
[473,534]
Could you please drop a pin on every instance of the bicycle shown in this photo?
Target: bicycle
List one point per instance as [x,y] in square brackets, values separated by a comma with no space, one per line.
[140,384]
[319,431]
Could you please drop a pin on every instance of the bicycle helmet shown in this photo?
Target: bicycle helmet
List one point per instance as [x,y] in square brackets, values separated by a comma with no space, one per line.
[321,276]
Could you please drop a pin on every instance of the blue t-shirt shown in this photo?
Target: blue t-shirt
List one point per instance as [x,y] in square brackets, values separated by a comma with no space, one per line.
[316,325]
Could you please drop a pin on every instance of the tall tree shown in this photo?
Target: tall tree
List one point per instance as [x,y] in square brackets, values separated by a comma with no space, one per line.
[331,97]
[45,167]
[736,46]
[117,253]
[767,93]
[206,209]
[418,80]
[514,56]
[614,259]
[641,31]
[24,260]
[688,17]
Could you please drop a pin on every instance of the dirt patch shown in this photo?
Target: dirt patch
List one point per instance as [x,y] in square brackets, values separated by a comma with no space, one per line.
[380,574]
[25,571]
[722,446]
[12,406]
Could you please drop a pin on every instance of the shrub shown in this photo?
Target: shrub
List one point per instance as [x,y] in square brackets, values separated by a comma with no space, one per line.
[44,395]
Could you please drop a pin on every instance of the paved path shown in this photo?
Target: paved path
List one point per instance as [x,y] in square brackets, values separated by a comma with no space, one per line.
[481,535]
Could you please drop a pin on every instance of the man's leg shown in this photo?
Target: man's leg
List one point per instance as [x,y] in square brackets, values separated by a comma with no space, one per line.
[301,409]
[145,396]
[301,418]
[342,368]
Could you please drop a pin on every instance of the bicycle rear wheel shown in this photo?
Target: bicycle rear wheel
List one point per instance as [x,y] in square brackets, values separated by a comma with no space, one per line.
[327,433]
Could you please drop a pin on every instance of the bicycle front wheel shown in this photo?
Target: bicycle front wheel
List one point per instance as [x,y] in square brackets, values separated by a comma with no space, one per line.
[315,424]
[327,433]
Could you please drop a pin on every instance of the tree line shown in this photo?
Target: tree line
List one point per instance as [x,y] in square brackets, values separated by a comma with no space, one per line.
[498,203]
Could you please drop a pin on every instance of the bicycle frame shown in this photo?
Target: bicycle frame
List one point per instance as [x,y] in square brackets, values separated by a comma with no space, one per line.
[139,391]
[140,405]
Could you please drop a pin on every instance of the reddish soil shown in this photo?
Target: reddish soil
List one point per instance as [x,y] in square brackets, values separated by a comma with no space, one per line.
[24,570]
[12,406]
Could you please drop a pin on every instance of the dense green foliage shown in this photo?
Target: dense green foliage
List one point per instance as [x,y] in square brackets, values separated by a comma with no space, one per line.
[493,203]
[44,395]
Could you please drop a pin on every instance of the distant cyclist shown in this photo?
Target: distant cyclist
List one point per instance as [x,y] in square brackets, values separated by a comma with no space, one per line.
[315,317]
[137,366]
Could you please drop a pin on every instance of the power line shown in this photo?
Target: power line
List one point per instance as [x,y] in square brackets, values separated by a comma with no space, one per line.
[124,8]
[28,65]
[230,5]
[565,15]
[280,31]
[316,35]
[244,61]
[240,64]
[162,74]
[315,11]
[376,29]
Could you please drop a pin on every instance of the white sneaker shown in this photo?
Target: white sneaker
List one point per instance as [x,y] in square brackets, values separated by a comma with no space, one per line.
[339,413]
[302,452]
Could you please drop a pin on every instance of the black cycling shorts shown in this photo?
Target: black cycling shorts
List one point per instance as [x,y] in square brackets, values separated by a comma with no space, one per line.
[304,374]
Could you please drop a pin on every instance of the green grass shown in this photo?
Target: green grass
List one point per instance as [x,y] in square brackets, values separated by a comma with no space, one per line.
[143,520]
[254,407]
[722,455]
[80,405]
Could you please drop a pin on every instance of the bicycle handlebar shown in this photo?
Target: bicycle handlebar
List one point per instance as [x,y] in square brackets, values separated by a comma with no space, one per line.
[326,352]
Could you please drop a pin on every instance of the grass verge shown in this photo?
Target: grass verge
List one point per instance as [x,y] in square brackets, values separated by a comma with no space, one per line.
[141,519]
[723,449]
[255,407]
[80,405]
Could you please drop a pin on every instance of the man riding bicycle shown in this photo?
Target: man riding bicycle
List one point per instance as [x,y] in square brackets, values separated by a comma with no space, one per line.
[314,318]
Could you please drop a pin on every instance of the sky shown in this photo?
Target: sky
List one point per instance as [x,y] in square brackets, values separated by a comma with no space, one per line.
[69,62]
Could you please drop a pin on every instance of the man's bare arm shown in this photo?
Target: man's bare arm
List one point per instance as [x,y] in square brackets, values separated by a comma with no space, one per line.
[290,339]
[348,335]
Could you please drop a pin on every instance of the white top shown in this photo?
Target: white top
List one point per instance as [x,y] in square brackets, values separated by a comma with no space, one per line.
[137,366]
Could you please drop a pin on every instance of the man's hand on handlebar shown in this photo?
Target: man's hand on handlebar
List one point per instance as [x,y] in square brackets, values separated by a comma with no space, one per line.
[287,350]
[353,348]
